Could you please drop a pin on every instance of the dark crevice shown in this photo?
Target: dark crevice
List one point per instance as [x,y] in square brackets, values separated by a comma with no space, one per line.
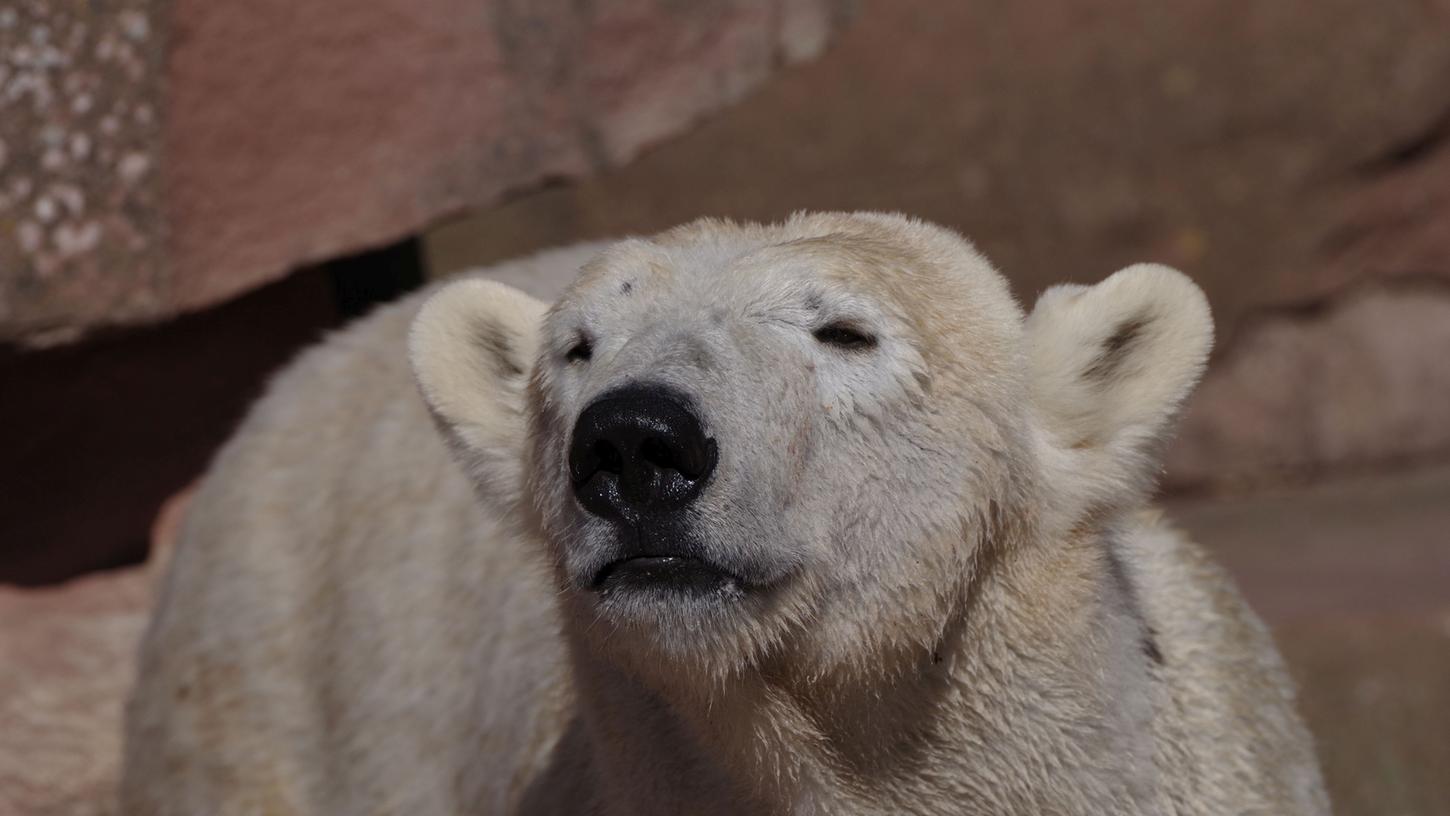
[1412,150]
[366,279]
[95,435]
[1417,283]
[1322,305]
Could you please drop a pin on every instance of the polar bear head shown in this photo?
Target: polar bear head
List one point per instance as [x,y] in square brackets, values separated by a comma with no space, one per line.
[736,442]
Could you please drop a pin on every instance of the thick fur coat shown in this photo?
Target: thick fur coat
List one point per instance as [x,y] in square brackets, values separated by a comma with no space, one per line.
[941,591]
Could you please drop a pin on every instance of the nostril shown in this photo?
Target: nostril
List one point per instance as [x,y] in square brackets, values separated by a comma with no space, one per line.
[691,457]
[608,457]
[657,453]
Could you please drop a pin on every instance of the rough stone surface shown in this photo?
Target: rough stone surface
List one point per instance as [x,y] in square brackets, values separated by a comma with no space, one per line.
[66,656]
[1361,381]
[1285,154]
[294,132]
[80,131]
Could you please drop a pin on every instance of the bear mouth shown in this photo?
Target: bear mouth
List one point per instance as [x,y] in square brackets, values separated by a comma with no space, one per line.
[682,574]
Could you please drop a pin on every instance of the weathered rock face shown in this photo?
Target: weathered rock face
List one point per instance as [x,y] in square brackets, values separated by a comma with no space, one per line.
[67,662]
[1363,380]
[80,135]
[1284,154]
[67,657]
[294,132]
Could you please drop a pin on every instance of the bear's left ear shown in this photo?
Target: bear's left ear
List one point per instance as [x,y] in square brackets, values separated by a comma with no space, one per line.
[472,347]
[1112,363]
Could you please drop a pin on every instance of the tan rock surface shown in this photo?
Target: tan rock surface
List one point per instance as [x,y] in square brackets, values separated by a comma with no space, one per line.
[290,132]
[80,137]
[66,658]
[1362,381]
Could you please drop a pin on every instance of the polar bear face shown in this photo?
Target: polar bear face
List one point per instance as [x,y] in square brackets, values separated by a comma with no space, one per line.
[736,442]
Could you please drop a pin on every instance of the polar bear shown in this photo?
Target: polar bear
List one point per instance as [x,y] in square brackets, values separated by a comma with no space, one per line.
[800,518]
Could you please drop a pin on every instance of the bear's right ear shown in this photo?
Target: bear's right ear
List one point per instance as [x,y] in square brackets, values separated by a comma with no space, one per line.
[472,346]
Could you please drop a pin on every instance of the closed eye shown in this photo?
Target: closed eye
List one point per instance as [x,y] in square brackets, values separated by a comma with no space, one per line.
[581,351]
[845,336]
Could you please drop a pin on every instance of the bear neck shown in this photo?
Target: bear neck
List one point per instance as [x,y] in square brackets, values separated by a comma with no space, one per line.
[1035,698]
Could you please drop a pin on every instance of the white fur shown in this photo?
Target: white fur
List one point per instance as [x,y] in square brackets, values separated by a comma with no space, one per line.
[479,410]
[963,606]
[1105,411]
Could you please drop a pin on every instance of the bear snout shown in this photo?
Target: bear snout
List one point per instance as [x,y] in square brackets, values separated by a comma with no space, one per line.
[639,451]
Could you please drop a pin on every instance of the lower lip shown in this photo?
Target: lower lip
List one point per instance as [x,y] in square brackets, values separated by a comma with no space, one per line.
[689,576]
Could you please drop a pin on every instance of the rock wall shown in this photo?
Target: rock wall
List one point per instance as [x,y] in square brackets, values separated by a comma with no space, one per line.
[1359,380]
[81,227]
[162,155]
[69,659]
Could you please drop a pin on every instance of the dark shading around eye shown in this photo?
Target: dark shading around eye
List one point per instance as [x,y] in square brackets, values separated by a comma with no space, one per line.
[581,351]
[843,336]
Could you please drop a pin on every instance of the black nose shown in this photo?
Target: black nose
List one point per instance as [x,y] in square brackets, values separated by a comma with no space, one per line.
[638,450]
